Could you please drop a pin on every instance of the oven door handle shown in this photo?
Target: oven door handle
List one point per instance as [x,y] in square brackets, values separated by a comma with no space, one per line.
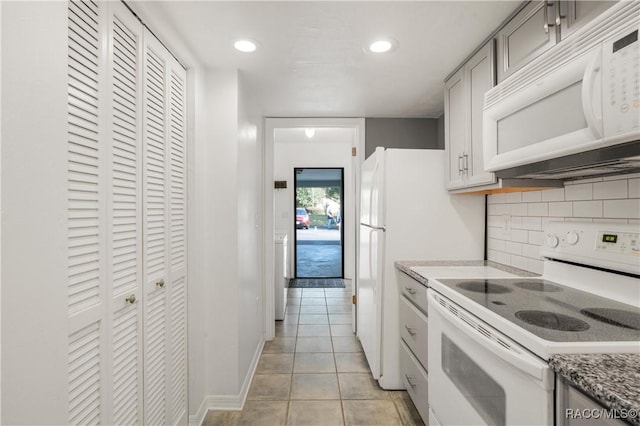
[470,326]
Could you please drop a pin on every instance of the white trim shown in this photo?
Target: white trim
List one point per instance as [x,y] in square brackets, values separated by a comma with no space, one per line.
[269,127]
[228,402]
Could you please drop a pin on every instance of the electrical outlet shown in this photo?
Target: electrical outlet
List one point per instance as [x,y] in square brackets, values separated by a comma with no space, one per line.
[506,224]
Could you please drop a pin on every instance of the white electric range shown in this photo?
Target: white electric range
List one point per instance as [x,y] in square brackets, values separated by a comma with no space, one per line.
[490,337]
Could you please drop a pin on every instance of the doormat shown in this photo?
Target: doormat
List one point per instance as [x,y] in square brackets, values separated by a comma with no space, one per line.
[316,283]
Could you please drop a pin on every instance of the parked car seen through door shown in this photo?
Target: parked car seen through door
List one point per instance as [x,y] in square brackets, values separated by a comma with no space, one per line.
[302,218]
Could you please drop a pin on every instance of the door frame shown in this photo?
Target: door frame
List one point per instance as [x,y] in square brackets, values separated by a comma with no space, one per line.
[295,228]
[358,142]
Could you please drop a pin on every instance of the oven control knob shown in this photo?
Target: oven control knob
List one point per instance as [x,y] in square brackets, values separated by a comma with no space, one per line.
[552,241]
[572,237]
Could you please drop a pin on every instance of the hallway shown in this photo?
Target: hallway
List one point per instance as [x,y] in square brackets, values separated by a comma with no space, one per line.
[315,373]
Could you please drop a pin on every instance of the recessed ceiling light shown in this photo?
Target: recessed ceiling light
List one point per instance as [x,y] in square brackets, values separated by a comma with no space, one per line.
[309,132]
[245,45]
[382,45]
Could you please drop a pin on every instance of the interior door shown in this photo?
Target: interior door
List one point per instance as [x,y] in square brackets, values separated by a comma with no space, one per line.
[155,233]
[87,269]
[125,217]
[177,292]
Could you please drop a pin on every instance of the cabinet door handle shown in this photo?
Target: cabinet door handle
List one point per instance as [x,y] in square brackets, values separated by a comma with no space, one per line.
[548,4]
[410,290]
[466,163]
[410,380]
[160,284]
[131,299]
[410,330]
[460,164]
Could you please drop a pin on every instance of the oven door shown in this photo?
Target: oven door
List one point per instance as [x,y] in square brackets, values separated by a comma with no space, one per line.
[478,376]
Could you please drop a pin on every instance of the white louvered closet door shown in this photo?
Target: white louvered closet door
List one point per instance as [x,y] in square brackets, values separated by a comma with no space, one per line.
[86,195]
[165,372]
[126,222]
[125,217]
[155,232]
[177,384]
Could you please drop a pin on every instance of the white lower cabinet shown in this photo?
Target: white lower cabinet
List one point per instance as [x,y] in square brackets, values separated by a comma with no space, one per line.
[573,408]
[413,329]
[413,344]
[413,291]
[415,380]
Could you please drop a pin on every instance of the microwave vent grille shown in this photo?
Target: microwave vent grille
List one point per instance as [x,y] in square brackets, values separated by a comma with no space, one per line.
[613,160]
[617,17]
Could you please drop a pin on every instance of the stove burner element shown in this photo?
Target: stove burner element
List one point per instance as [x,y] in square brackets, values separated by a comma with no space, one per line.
[552,320]
[537,286]
[617,317]
[483,287]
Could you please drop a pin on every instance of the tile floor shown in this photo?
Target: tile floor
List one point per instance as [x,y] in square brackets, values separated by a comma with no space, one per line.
[315,373]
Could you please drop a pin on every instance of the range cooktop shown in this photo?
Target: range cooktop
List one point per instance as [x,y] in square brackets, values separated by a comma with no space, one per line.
[551,311]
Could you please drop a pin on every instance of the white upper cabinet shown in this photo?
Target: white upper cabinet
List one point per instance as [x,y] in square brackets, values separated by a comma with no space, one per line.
[454,129]
[574,14]
[528,34]
[539,26]
[463,102]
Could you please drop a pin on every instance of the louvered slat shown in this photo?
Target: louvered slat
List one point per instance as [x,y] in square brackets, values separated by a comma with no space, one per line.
[84,375]
[126,366]
[155,167]
[178,350]
[83,153]
[177,173]
[124,160]
[155,369]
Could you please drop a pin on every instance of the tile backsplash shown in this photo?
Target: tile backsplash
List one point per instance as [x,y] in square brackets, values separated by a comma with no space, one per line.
[515,221]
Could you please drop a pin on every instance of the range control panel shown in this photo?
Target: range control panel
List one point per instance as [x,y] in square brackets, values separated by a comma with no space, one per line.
[612,246]
[618,242]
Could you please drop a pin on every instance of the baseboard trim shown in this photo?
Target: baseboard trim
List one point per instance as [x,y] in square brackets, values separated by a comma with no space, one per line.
[228,402]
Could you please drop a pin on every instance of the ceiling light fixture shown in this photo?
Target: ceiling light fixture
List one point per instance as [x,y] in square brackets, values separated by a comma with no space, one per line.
[309,132]
[383,45]
[245,45]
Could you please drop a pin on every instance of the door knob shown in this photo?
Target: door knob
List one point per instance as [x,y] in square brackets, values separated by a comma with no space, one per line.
[160,284]
[131,299]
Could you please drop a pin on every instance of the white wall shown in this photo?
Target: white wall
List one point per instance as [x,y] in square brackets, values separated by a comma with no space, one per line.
[34,215]
[332,150]
[250,245]
[609,199]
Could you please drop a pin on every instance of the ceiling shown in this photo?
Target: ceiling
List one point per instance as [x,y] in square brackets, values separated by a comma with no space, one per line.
[311,61]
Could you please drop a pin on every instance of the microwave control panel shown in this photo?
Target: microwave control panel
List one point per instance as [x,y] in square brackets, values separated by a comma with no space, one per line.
[621,84]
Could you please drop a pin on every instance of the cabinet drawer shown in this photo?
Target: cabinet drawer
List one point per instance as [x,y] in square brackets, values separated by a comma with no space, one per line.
[413,329]
[415,380]
[413,290]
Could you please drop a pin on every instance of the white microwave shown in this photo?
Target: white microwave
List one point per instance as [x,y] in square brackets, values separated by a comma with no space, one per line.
[582,95]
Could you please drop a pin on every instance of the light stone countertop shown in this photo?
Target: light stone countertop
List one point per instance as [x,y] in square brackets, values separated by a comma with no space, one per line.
[405,266]
[611,379]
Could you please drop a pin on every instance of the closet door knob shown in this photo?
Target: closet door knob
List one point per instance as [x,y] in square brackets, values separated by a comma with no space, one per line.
[131,299]
[160,284]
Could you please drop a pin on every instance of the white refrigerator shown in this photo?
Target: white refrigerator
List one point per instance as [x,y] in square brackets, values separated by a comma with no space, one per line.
[405,214]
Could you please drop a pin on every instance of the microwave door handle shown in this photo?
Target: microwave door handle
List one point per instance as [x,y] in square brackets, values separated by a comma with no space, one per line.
[521,360]
[592,95]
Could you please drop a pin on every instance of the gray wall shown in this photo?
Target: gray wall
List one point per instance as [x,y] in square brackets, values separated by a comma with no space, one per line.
[441,132]
[415,133]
